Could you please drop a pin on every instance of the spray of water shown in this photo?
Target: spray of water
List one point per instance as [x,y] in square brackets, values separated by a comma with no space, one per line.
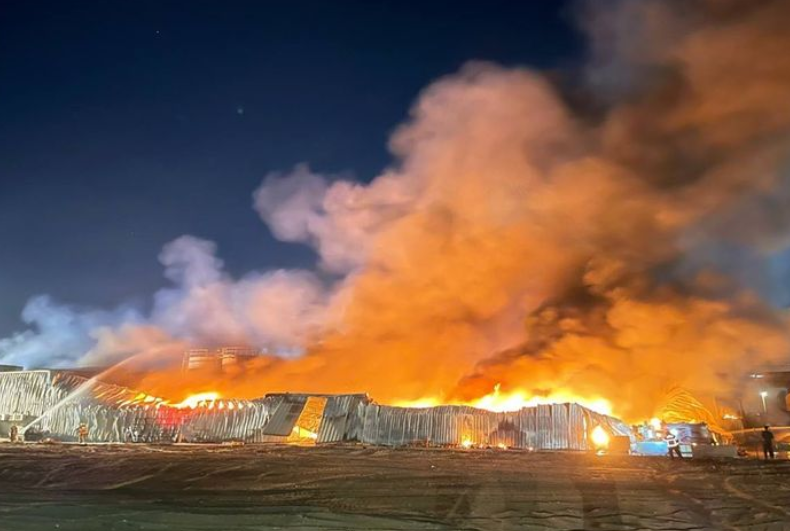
[88,384]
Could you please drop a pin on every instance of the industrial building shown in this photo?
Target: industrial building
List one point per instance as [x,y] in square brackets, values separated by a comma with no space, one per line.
[53,404]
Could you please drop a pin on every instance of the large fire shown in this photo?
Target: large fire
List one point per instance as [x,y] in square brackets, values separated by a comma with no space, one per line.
[583,247]
[199,399]
[497,401]
[203,400]
[599,437]
[515,400]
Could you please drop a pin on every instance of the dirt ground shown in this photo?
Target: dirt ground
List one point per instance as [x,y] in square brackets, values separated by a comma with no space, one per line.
[68,487]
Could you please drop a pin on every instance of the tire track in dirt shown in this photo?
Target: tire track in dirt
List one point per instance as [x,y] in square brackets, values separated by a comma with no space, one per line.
[136,480]
[693,504]
[735,491]
[472,490]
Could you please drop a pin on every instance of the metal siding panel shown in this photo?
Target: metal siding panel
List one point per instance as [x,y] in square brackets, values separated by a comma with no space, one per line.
[333,423]
[543,427]
[382,435]
[529,428]
[285,416]
[26,392]
[577,428]
[215,425]
[370,424]
[559,425]
[356,422]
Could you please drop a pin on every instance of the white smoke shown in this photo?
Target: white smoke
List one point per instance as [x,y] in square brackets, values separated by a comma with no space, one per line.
[280,310]
[60,335]
[340,220]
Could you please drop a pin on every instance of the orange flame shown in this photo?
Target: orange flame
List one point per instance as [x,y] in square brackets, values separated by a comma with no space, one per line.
[206,399]
[599,437]
[514,401]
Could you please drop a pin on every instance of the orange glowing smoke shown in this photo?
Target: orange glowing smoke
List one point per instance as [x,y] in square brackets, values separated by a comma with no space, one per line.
[570,253]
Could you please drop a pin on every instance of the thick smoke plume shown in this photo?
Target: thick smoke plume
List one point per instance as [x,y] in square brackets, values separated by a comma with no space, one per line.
[613,238]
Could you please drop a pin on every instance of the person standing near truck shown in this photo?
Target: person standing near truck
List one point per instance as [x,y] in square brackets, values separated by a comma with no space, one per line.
[768,442]
[673,445]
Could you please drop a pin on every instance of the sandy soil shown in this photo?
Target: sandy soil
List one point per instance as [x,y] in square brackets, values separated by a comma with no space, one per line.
[68,487]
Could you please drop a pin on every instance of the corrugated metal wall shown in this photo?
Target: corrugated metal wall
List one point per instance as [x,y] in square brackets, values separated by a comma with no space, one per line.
[285,415]
[271,419]
[30,394]
[238,424]
[26,392]
[340,421]
[544,427]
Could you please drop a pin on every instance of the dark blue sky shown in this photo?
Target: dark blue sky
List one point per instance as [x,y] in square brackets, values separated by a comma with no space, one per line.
[126,124]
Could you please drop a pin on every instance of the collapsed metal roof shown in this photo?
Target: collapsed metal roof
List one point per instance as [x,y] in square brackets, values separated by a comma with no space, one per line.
[48,402]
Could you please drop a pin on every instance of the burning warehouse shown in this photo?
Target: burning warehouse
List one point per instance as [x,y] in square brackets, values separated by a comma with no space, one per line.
[577,240]
[573,243]
[54,404]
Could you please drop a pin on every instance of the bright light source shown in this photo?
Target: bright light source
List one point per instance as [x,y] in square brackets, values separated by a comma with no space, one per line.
[599,437]
[198,400]
[514,400]
[763,393]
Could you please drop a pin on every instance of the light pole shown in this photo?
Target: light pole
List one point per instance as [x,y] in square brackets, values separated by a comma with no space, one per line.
[763,394]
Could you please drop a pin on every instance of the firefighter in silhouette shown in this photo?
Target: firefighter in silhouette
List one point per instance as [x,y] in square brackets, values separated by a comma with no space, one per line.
[768,442]
[82,433]
[673,445]
[14,433]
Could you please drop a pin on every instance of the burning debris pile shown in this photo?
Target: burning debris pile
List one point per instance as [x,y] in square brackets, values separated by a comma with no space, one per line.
[57,404]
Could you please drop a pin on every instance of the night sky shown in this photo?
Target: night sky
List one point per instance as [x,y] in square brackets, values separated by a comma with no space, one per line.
[124,125]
